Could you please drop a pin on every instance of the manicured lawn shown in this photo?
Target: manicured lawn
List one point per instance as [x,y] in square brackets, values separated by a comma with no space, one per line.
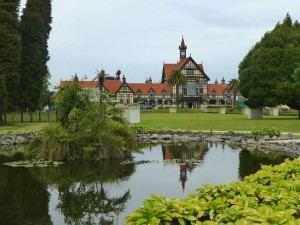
[197,121]
[215,121]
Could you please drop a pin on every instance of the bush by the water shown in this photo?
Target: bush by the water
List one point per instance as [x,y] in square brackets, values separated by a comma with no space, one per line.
[271,196]
[89,127]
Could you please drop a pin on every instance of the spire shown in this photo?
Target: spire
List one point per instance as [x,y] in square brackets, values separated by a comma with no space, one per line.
[124,78]
[216,81]
[223,80]
[182,49]
[150,80]
[118,74]
[182,45]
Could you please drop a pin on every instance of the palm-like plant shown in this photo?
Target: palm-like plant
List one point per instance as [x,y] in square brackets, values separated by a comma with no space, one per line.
[233,86]
[177,78]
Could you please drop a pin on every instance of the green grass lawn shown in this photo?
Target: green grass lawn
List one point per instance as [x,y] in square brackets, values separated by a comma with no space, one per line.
[215,121]
[196,120]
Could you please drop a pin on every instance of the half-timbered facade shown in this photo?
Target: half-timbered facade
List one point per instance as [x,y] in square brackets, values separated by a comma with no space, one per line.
[193,94]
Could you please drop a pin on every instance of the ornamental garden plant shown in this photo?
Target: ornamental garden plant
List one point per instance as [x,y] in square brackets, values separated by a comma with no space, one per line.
[271,196]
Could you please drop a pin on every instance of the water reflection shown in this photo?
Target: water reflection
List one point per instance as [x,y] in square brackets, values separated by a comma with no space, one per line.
[184,151]
[250,162]
[106,192]
[23,200]
[83,196]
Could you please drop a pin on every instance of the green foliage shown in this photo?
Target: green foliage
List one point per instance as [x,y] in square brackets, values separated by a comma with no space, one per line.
[20,132]
[296,75]
[271,132]
[9,54]
[233,86]
[71,97]
[34,29]
[271,196]
[176,79]
[268,64]
[54,143]
[138,129]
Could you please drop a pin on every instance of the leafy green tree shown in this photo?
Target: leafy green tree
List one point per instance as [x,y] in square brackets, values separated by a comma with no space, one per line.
[292,91]
[10,46]
[233,86]
[268,64]
[35,30]
[176,79]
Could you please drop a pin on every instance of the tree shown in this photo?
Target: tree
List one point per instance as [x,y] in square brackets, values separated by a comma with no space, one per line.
[176,79]
[292,91]
[10,46]
[233,86]
[35,30]
[269,64]
[3,98]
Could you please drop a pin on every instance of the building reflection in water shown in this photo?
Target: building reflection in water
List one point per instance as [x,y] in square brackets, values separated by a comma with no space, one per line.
[186,155]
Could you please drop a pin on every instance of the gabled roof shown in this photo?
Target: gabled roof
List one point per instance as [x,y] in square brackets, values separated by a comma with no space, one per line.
[113,85]
[83,84]
[146,88]
[218,88]
[167,69]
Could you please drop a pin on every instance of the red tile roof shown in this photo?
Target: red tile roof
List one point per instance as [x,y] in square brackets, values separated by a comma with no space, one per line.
[84,84]
[145,88]
[219,88]
[178,66]
[110,85]
[113,85]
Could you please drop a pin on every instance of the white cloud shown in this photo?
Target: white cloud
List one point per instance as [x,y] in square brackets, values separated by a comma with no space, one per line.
[138,36]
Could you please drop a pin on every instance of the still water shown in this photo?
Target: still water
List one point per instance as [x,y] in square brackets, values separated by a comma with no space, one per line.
[106,192]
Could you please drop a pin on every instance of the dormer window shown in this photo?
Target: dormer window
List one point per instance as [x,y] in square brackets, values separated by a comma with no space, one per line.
[139,94]
[151,94]
[214,94]
[163,94]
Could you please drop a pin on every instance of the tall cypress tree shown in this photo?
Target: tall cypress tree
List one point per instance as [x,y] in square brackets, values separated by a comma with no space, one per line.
[10,47]
[35,27]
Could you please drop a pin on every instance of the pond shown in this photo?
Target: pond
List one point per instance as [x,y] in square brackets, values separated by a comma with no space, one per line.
[106,192]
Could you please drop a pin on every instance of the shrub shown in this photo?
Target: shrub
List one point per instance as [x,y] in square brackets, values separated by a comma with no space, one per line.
[271,132]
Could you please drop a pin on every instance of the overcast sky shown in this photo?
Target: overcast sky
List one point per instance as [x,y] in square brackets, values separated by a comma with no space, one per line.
[138,36]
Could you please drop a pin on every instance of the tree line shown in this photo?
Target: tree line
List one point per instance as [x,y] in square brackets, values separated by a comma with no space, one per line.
[24,74]
[270,73]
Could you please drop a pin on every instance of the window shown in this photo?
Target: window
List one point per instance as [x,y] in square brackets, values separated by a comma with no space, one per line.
[191,88]
[190,71]
[139,94]
[151,94]
[225,94]
[213,94]
[163,94]
[201,90]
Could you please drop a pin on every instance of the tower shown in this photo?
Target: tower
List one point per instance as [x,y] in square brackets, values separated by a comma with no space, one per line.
[182,49]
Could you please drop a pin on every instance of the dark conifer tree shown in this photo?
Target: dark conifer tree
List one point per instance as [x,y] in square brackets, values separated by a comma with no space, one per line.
[35,27]
[10,47]
[269,64]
